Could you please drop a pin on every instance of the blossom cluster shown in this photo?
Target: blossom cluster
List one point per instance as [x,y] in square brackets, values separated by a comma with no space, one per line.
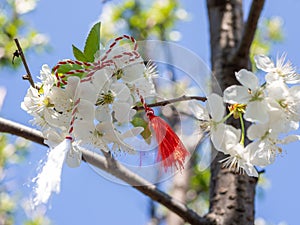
[90,105]
[272,108]
[87,107]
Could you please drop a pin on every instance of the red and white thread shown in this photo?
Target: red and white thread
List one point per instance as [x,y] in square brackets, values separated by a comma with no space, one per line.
[100,64]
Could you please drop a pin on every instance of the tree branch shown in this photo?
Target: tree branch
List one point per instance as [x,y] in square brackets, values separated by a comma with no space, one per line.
[170,101]
[243,48]
[110,165]
[8,126]
[20,53]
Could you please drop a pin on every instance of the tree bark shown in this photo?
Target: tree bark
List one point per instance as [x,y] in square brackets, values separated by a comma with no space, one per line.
[231,195]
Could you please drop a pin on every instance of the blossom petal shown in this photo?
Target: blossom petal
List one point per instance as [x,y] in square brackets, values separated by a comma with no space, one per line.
[123,111]
[72,85]
[145,86]
[289,139]
[279,122]
[295,92]
[247,79]
[46,76]
[237,94]
[256,131]
[250,169]
[231,137]
[271,77]
[87,91]
[114,137]
[102,113]
[133,72]
[215,107]
[132,132]
[121,91]
[85,110]
[101,78]
[244,160]
[256,111]
[83,130]
[224,137]
[278,90]
[52,138]
[264,63]
[260,154]
[199,111]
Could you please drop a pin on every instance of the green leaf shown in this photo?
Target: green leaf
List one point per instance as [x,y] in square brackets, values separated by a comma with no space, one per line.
[92,43]
[78,54]
[68,67]
[140,122]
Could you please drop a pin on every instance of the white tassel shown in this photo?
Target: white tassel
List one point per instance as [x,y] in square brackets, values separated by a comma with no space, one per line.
[48,180]
[73,158]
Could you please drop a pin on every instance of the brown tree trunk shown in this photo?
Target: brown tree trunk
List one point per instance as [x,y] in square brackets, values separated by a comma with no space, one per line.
[231,195]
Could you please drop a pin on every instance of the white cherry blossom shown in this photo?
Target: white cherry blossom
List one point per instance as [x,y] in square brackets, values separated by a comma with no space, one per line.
[139,77]
[46,76]
[87,134]
[285,99]
[89,112]
[62,102]
[133,71]
[249,93]
[111,135]
[36,103]
[238,156]
[280,71]
[85,131]
[103,133]
[36,100]
[116,96]
[266,143]
[239,160]
[211,118]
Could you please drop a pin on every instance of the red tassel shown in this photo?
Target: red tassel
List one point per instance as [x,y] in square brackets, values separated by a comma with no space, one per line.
[171,150]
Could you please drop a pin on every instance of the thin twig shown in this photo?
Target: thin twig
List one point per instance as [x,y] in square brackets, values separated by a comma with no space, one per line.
[249,30]
[21,54]
[170,101]
[110,165]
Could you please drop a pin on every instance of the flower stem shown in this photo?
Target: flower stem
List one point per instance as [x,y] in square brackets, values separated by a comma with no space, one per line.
[226,117]
[242,142]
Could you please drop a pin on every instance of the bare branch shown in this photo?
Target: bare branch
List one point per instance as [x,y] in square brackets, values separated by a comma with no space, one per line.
[110,165]
[20,53]
[170,101]
[8,126]
[249,30]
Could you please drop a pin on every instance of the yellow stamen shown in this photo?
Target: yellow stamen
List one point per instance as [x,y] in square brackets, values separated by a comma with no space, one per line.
[237,109]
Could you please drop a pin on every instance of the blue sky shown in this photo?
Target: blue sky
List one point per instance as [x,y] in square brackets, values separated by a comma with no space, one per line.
[86,197]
